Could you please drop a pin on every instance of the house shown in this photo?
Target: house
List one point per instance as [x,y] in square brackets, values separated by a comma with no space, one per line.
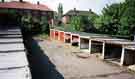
[67,17]
[23,8]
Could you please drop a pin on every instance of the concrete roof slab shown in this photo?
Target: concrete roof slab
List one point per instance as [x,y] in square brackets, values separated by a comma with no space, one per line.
[12,47]
[16,59]
[19,73]
[11,40]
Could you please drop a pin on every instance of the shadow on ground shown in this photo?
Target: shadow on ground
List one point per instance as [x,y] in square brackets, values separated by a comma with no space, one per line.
[41,66]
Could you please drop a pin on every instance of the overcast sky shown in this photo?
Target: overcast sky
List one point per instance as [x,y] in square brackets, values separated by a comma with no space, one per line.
[95,5]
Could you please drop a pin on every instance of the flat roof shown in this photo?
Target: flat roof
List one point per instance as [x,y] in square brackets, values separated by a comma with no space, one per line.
[130,47]
[12,47]
[17,73]
[121,42]
[10,36]
[15,59]
[103,39]
[11,40]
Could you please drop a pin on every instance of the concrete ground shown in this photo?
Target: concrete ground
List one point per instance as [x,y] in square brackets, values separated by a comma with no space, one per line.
[67,63]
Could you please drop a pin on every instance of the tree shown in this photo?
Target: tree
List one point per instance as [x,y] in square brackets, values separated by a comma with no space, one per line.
[76,23]
[129,15]
[60,11]
[111,19]
[90,22]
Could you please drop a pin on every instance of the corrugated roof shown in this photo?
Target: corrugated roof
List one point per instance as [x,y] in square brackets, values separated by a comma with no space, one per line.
[24,5]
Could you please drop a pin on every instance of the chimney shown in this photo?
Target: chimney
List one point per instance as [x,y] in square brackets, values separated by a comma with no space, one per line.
[38,3]
[74,9]
[20,0]
[90,10]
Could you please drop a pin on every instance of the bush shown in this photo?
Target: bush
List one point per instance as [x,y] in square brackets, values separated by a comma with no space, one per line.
[35,25]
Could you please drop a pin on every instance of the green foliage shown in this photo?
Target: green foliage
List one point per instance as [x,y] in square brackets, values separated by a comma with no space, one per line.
[130,15]
[111,18]
[35,25]
[10,17]
[45,25]
[117,19]
[98,22]
[83,23]
[76,23]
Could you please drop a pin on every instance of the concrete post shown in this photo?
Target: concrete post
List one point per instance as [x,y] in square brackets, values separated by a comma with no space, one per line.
[90,46]
[122,56]
[71,39]
[103,50]
[80,43]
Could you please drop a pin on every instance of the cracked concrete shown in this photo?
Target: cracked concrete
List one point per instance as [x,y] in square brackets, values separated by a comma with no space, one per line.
[72,67]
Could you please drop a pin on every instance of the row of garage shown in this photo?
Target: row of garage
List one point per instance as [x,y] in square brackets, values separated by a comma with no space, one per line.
[115,50]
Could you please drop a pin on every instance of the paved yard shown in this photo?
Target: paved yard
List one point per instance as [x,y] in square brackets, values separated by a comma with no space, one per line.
[73,67]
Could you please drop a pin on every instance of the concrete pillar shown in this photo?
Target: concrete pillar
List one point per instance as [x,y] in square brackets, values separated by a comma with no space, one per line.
[79,42]
[90,46]
[71,39]
[103,50]
[122,56]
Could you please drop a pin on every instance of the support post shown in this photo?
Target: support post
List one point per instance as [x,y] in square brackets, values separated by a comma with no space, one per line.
[90,46]
[122,56]
[79,42]
[71,39]
[103,50]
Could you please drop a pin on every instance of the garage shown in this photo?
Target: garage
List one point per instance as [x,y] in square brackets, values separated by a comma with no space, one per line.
[115,52]
[129,58]
[67,38]
[75,39]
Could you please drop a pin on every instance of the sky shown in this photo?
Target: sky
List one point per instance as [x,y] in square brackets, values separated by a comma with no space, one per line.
[95,5]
